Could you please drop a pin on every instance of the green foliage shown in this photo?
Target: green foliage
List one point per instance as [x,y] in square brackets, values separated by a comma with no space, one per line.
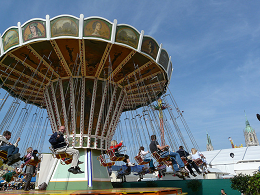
[240,182]
[254,184]
[194,185]
[246,184]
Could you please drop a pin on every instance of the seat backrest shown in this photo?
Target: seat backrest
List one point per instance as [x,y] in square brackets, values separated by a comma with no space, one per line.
[104,163]
[110,153]
[198,161]
[68,161]
[156,155]
[101,159]
[184,160]
[3,154]
[113,157]
[159,158]
[167,162]
[62,155]
[138,159]
[32,162]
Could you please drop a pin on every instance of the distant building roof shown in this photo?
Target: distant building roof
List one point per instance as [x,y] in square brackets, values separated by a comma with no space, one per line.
[248,127]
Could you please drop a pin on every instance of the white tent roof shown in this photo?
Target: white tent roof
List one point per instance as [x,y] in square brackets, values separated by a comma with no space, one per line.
[252,153]
[217,157]
[243,159]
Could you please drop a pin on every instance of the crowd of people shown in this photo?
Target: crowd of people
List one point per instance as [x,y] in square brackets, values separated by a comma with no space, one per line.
[179,157]
[59,145]
[167,158]
[20,177]
[17,177]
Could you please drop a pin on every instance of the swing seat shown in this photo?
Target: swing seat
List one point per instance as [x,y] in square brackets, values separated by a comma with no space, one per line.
[160,159]
[65,157]
[140,161]
[32,162]
[3,155]
[167,162]
[113,157]
[184,160]
[104,163]
[62,155]
[66,161]
[198,162]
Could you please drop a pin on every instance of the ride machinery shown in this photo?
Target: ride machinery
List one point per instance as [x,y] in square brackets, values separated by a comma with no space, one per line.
[85,72]
[161,106]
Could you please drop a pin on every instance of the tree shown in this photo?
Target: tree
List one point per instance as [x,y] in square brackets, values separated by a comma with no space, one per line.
[254,184]
[240,182]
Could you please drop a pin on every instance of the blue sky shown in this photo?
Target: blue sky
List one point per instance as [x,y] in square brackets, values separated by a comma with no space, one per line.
[214,47]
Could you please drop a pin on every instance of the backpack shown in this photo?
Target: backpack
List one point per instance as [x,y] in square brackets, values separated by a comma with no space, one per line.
[43,186]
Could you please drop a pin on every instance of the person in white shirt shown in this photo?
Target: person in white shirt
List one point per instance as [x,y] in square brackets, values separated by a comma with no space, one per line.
[142,154]
[197,155]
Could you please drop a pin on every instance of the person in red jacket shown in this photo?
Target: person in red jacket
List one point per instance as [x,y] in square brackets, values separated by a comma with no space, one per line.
[115,147]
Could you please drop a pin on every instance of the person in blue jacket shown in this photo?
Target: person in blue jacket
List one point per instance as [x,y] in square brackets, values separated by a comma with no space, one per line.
[59,145]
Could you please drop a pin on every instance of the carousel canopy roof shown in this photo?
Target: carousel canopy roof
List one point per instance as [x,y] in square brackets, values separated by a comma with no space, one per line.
[41,51]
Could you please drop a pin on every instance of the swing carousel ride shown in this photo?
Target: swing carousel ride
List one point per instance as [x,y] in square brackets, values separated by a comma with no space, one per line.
[86,72]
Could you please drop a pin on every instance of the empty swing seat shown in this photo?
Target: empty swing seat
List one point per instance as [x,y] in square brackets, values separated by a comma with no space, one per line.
[140,161]
[113,157]
[104,163]
[3,155]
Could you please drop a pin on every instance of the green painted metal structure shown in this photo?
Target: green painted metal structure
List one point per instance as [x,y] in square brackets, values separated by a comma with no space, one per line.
[208,186]
[64,180]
